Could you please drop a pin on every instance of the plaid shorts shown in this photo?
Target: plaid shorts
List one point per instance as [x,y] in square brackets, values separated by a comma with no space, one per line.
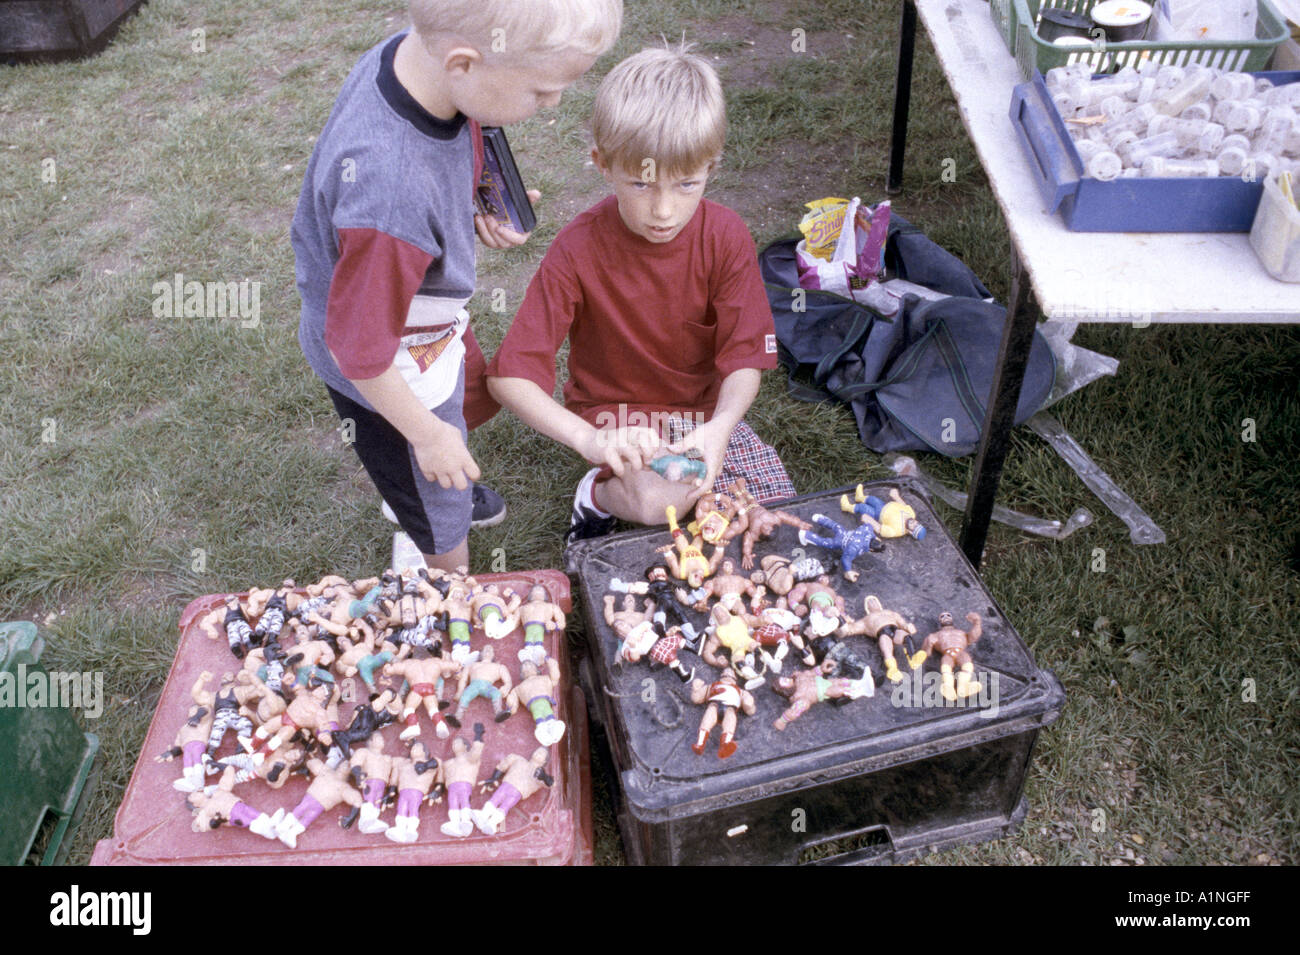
[748,457]
[665,649]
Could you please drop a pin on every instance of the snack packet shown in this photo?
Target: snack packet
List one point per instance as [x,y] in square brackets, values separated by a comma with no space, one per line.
[843,247]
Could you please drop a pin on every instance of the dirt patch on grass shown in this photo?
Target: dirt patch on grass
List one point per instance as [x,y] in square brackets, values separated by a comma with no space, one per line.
[745,52]
[38,611]
[127,230]
[141,591]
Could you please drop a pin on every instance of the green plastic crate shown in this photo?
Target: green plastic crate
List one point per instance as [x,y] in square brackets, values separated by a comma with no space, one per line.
[1034,53]
[45,758]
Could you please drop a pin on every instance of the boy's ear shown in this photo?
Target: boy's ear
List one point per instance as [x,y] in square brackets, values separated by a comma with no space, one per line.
[461,59]
[601,165]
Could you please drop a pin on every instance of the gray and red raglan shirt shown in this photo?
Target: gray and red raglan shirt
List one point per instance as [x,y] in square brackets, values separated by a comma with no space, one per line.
[384,242]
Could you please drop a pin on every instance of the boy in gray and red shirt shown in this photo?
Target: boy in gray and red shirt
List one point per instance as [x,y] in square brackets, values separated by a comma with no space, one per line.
[659,293]
[384,237]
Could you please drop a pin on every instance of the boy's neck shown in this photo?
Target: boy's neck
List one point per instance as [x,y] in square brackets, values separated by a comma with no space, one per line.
[419,73]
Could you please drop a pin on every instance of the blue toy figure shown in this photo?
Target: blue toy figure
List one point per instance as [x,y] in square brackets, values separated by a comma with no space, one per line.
[851,544]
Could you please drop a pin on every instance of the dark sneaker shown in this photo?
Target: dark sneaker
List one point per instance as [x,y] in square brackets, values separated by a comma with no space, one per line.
[489,507]
[585,523]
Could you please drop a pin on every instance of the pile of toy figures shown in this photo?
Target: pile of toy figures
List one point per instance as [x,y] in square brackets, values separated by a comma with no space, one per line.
[793,611]
[407,637]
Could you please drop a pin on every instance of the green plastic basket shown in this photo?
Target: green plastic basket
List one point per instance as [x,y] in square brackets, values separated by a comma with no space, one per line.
[1004,18]
[1034,53]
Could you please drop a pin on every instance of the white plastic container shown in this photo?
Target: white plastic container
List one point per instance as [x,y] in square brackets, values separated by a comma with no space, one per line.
[1157,167]
[1232,160]
[1123,20]
[1275,236]
[1104,166]
[1233,86]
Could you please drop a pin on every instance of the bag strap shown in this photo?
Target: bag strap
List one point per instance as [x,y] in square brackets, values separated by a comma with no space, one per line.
[802,392]
[961,382]
[905,367]
[862,320]
[904,370]
[817,390]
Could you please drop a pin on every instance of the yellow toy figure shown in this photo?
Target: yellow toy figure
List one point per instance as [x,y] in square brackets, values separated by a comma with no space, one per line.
[892,518]
[716,519]
[732,633]
[688,563]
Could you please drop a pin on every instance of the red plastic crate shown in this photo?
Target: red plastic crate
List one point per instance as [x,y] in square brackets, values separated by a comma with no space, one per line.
[552,827]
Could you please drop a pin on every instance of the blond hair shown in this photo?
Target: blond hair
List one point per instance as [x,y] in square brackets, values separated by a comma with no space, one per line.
[512,29]
[663,105]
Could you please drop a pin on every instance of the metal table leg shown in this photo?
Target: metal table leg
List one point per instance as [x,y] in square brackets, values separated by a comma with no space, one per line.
[999,415]
[902,97]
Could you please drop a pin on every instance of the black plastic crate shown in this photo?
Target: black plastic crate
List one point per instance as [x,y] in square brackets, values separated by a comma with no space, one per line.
[878,780]
[48,30]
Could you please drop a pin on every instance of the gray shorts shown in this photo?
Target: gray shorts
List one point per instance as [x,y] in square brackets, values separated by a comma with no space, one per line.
[436,518]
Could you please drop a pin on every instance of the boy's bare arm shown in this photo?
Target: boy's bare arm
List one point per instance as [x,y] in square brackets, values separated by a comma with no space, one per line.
[626,447]
[737,393]
[439,448]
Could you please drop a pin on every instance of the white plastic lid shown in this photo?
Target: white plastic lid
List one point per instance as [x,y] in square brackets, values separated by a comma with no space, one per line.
[1121,13]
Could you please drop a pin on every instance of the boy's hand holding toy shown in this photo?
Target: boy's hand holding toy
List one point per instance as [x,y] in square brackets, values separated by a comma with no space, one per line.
[497,236]
[619,448]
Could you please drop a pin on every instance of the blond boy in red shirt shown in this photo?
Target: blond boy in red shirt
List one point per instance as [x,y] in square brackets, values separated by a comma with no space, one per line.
[658,291]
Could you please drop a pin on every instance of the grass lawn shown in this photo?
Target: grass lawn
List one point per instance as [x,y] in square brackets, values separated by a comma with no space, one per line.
[145,460]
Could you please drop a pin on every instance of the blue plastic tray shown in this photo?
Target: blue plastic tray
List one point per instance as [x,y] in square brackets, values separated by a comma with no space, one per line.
[1225,204]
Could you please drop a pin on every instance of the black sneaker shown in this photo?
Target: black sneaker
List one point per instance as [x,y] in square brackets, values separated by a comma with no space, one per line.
[588,524]
[489,507]
[584,523]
